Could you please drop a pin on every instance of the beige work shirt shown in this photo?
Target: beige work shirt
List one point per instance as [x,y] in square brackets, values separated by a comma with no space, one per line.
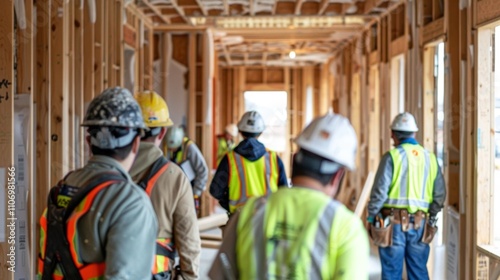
[172,199]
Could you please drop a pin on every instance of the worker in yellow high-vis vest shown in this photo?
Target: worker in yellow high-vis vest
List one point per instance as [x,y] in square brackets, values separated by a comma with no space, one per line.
[301,232]
[170,192]
[409,188]
[225,141]
[248,170]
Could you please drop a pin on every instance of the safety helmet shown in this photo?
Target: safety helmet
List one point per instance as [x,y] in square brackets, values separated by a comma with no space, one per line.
[174,137]
[114,107]
[331,137]
[114,118]
[251,122]
[404,122]
[154,109]
[232,130]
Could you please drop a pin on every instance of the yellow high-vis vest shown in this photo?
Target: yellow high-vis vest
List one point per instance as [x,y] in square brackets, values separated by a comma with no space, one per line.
[282,240]
[414,173]
[251,178]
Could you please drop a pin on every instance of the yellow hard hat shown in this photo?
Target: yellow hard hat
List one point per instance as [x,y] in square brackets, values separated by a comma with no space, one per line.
[154,109]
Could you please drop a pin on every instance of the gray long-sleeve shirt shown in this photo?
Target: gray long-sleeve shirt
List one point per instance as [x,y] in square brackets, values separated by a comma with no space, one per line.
[383,181]
[121,226]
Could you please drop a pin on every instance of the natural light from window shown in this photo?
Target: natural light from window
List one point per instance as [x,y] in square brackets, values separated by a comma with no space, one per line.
[272,105]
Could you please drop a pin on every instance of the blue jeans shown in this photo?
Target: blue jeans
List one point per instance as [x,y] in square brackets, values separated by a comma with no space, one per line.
[407,246]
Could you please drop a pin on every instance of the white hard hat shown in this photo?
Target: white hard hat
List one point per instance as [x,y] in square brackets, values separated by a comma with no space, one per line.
[174,137]
[404,122]
[332,137]
[251,122]
[232,130]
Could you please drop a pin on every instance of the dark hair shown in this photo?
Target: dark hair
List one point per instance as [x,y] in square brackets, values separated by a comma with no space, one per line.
[151,133]
[402,135]
[309,164]
[249,134]
[120,153]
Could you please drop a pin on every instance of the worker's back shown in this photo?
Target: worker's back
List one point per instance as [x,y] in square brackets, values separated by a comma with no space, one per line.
[299,234]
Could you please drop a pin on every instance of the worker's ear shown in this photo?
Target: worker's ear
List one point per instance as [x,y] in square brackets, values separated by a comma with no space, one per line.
[336,181]
[162,133]
[135,145]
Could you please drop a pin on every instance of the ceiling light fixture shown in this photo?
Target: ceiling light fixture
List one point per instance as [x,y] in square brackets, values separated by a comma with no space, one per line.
[292,54]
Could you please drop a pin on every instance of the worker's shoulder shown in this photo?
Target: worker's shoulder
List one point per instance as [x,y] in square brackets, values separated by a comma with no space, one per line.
[346,218]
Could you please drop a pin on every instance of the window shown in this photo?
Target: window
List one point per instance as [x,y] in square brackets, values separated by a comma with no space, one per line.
[272,105]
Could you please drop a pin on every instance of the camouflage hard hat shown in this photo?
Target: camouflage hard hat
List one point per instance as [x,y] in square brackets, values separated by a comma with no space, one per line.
[114,107]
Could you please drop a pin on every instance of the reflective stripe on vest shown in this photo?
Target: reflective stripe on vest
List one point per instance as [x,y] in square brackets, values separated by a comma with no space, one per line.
[162,260]
[87,271]
[303,255]
[251,178]
[414,172]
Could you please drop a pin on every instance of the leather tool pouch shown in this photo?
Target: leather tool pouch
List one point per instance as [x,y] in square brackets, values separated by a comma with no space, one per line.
[419,216]
[381,236]
[429,232]
[405,221]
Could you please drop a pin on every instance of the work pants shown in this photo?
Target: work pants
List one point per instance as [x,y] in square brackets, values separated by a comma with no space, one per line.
[405,246]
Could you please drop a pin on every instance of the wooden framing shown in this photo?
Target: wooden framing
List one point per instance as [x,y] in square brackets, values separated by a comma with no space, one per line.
[6,128]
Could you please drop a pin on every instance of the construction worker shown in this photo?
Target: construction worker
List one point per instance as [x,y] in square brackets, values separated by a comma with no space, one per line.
[410,189]
[98,223]
[249,170]
[170,192]
[184,152]
[301,232]
[225,141]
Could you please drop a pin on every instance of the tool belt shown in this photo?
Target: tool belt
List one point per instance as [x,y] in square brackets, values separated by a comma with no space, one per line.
[401,216]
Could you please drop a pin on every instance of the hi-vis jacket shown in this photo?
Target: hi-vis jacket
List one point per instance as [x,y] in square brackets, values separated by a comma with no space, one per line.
[408,177]
[172,199]
[111,222]
[299,233]
[189,151]
[249,170]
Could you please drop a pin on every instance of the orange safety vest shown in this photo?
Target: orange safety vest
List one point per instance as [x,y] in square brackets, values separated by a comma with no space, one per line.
[164,246]
[59,239]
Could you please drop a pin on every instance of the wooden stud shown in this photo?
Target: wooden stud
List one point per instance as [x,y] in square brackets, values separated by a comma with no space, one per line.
[79,63]
[59,90]
[42,99]
[69,10]
[191,125]
[99,48]
[6,125]
[89,61]
[25,85]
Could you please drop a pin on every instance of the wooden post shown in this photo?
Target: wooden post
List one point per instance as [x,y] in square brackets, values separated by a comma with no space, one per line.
[25,85]
[89,61]
[191,122]
[42,99]
[7,263]
[59,90]
[79,62]
[97,68]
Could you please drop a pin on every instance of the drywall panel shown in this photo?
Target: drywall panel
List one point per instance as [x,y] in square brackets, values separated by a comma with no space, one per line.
[177,97]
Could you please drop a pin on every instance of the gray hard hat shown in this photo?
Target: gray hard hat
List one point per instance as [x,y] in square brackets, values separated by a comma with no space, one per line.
[114,107]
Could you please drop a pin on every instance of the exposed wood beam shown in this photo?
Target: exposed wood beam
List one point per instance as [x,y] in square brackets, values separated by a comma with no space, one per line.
[322,7]
[202,8]
[226,8]
[251,3]
[156,11]
[178,27]
[226,55]
[180,11]
[298,6]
